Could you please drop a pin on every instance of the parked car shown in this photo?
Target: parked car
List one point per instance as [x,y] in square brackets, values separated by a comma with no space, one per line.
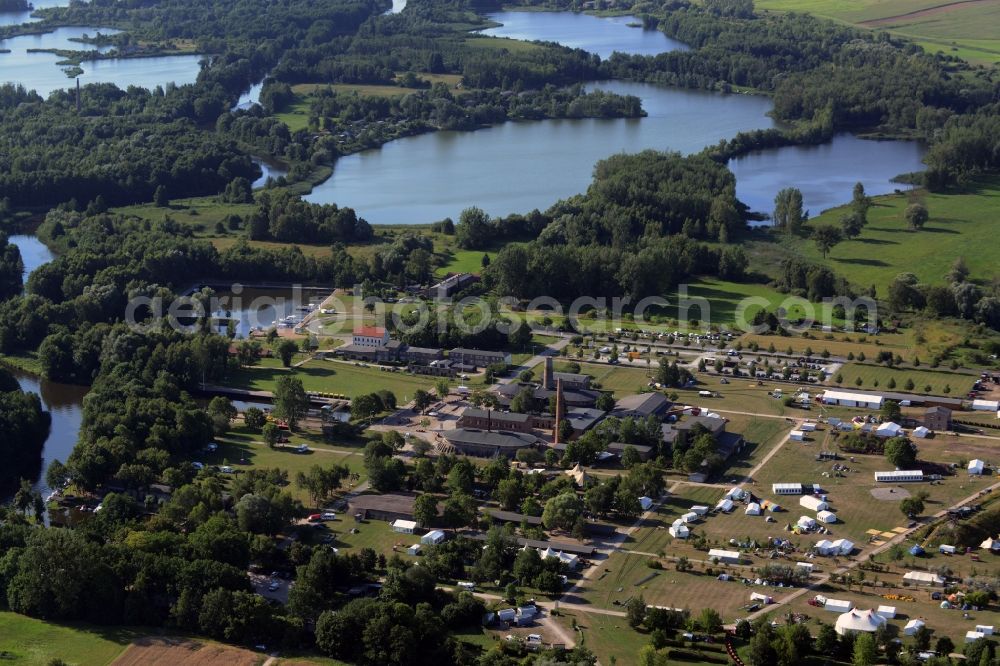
[329,515]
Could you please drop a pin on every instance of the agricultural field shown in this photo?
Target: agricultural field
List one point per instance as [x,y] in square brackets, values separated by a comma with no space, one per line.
[886,247]
[962,28]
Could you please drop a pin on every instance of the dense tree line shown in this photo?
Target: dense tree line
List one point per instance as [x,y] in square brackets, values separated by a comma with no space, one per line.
[283,217]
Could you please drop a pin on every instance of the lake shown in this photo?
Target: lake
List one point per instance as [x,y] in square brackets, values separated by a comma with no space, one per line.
[825,174]
[17,18]
[518,166]
[600,35]
[39,71]
[515,167]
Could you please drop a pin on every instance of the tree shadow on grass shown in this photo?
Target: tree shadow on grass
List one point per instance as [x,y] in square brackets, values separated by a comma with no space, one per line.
[861,262]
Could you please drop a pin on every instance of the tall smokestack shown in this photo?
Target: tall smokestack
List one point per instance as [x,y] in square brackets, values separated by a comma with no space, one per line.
[547,374]
[560,409]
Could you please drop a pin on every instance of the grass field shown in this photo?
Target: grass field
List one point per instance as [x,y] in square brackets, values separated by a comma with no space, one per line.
[957,226]
[969,30]
[331,377]
[30,642]
[941,382]
[241,445]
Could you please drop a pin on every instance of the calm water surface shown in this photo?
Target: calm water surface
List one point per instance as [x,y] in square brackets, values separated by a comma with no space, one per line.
[39,71]
[65,403]
[825,174]
[17,18]
[34,253]
[600,35]
[518,166]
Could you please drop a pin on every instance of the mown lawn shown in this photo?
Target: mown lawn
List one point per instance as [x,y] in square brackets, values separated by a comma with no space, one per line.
[331,377]
[31,642]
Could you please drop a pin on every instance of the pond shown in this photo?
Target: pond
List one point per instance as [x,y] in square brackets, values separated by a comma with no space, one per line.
[519,166]
[34,253]
[40,71]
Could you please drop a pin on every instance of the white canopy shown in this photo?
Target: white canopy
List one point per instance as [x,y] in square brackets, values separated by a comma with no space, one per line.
[859,620]
[753,509]
[976,466]
[806,523]
[912,626]
[888,429]
[725,505]
[921,432]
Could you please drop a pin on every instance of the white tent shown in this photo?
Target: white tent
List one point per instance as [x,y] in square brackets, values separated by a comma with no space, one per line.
[805,566]
[679,530]
[986,405]
[912,626]
[828,517]
[753,509]
[806,523]
[838,605]
[991,544]
[976,466]
[808,426]
[796,435]
[888,429]
[856,621]
[813,503]
[646,503]
[413,550]
[825,547]
[973,636]
[843,546]
[921,432]
[923,578]
[404,526]
[725,505]
[734,493]
[888,612]
[432,538]
[985,629]
[700,509]
[689,517]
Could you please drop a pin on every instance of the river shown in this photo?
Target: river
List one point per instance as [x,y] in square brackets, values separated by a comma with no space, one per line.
[519,166]
[40,71]
[65,403]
